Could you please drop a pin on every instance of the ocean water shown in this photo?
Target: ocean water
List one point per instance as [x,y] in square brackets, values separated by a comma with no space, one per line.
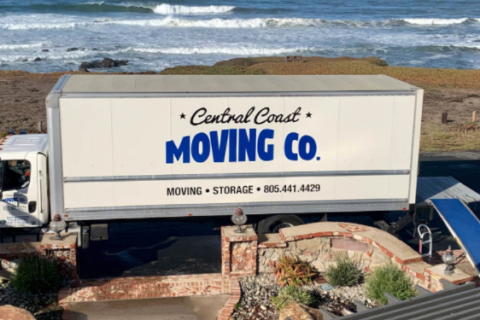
[154,35]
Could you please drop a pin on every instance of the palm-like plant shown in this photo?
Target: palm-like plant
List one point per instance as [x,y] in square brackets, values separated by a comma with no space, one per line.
[294,271]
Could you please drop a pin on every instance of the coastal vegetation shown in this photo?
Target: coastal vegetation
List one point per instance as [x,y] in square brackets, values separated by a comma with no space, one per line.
[344,273]
[389,279]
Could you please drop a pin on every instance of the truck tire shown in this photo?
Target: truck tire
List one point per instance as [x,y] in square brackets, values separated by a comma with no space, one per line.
[274,223]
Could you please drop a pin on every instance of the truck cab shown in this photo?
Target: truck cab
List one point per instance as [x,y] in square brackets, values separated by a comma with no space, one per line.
[24,199]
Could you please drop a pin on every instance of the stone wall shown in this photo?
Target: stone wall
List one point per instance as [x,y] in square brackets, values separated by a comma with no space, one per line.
[321,253]
[320,243]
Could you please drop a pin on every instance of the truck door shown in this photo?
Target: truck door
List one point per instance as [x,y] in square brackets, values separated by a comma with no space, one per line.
[19,198]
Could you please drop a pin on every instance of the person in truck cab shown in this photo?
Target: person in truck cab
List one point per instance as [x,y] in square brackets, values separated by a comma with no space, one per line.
[16,174]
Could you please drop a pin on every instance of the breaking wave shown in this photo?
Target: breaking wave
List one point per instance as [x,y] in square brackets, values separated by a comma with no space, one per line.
[136,7]
[442,22]
[168,9]
[223,50]
[223,23]
[171,21]
[19,46]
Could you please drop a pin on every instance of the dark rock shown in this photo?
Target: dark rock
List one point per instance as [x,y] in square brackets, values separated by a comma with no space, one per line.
[37,59]
[45,50]
[72,49]
[83,67]
[105,63]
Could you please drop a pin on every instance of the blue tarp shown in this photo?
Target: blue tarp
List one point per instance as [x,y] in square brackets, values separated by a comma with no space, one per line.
[463,224]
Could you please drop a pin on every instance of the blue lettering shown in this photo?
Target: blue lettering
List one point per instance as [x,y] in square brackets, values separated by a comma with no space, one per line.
[307,142]
[200,138]
[184,149]
[265,154]
[293,136]
[246,145]
[232,148]
[219,149]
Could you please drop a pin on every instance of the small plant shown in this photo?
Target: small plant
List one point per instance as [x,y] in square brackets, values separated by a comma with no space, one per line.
[36,274]
[344,273]
[291,294]
[389,279]
[293,271]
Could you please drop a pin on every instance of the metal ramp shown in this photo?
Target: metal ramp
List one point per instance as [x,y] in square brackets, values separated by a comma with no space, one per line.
[452,303]
[464,226]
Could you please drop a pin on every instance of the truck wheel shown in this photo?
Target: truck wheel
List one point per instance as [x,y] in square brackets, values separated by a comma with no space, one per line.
[273,224]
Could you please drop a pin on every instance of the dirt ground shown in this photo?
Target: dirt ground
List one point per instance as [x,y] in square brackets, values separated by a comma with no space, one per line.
[22,106]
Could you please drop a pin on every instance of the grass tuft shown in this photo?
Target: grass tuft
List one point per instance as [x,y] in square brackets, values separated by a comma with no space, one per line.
[37,274]
[344,273]
[291,294]
[389,279]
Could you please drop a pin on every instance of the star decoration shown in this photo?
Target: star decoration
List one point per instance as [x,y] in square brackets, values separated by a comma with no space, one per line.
[309,115]
[182,116]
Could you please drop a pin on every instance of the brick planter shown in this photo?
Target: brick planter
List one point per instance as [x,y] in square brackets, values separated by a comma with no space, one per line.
[239,252]
[64,251]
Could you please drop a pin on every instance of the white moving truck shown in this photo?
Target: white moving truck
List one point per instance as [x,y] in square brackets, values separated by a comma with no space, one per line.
[153,146]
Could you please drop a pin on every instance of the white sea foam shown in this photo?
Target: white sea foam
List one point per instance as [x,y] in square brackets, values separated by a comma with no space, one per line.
[222,50]
[165,8]
[20,46]
[443,22]
[223,23]
[56,22]
[30,26]
[61,22]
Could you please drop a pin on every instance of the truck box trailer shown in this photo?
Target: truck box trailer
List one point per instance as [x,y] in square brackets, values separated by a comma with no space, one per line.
[154,146]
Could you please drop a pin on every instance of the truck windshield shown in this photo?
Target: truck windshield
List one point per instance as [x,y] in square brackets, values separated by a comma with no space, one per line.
[15,174]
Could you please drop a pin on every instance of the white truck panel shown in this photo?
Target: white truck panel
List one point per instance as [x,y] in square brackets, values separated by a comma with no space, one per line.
[172,153]
[135,151]
[402,130]
[416,145]
[86,137]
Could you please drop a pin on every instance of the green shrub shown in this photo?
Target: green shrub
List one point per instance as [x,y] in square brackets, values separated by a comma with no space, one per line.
[293,271]
[291,294]
[345,272]
[389,279]
[37,274]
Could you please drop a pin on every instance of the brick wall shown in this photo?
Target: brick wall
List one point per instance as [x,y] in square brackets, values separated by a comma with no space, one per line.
[239,252]
[64,252]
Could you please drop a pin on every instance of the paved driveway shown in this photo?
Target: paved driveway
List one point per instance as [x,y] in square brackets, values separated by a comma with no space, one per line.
[182,308]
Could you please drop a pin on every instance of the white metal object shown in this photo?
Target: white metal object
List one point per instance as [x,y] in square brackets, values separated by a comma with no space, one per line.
[421,241]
